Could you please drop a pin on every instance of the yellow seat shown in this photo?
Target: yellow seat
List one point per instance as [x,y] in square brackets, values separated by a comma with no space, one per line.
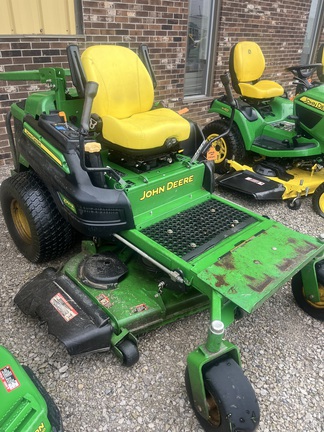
[125,102]
[247,65]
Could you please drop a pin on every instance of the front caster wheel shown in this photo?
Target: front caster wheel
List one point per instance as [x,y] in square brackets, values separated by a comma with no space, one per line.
[129,352]
[230,398]
[294,204]
[314,309]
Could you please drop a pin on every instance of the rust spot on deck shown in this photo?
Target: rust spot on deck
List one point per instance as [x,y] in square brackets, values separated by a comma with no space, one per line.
[257,285]
[286,263]
[220,281]
[226,261]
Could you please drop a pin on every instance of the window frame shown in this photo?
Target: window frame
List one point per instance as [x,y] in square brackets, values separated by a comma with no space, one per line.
[314,29]
[208,81]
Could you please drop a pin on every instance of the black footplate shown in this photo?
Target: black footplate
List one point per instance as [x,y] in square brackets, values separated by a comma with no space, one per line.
[193,231]
[69,313]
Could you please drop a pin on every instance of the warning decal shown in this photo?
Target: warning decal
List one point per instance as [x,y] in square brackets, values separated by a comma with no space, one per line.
[8,378]
[104,300]
[63,307]
[253,180]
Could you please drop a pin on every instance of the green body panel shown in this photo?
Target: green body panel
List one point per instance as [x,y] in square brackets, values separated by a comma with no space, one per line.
[22,408]
[151,193]
[268,125]
[46,147]
[313,103]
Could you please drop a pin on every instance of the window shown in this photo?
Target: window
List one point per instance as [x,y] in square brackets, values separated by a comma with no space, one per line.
[201,44]
[313,31]
[39,17]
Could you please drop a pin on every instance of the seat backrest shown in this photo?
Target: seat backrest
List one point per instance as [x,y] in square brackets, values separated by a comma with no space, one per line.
[320,59]
[246,63]
[125,86]
[77,72]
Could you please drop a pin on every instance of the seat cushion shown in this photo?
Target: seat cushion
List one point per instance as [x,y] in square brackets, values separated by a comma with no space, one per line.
[145,131]
[261,90]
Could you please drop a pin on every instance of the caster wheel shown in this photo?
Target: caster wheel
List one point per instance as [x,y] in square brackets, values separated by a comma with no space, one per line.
[129,351]
[230,398]
[294,204]
[314,309]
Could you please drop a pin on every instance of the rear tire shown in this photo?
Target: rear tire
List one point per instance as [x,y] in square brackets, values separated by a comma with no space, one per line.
[318,200]
[229,147]
[315,310]
[37,228]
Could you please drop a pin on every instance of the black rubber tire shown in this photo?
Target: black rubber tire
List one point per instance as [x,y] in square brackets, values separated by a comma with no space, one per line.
[230,146]
[318,200]
[313,310]
[129,351]
[294,204]
[37,228]
[232,401]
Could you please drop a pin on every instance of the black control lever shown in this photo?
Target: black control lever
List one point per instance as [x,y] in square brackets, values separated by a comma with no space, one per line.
[204,146]
[90,93]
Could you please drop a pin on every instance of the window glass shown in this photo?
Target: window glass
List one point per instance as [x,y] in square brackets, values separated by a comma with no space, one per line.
[200,42]
[313,31]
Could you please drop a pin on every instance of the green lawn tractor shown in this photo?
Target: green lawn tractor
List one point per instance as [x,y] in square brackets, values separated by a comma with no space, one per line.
[101,159]
[25,404]
[275,149]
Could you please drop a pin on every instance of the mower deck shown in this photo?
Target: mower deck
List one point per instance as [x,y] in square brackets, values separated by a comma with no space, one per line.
[264,187]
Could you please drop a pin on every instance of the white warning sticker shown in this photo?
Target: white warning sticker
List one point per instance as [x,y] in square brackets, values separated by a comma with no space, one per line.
[8,378]
[63,307]
[253,180]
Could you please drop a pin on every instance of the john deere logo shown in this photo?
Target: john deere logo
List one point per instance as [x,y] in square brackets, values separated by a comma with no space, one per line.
[313,103]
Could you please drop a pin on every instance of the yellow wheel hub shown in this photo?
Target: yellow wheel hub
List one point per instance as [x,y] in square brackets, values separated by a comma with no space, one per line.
[214,414]
[320,304]
[218,150]
[321,203]
[20,221]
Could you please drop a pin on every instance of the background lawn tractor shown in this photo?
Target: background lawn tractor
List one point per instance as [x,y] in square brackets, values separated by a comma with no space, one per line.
[25,404]
[275,147]
[158,244]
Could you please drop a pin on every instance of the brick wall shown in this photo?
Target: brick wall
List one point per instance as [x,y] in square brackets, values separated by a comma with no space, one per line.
[278,26]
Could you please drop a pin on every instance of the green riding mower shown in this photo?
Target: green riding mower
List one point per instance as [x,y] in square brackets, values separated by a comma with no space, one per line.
[275,148]
[98,158]
[25,404]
